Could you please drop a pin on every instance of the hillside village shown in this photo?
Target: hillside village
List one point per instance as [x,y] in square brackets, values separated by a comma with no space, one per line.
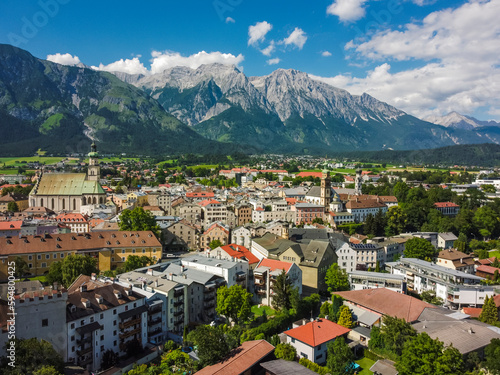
[251,269]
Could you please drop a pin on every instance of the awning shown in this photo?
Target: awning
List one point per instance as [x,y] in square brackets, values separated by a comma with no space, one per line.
[130,313]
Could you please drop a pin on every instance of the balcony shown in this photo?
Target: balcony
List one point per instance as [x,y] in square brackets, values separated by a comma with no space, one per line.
[241,277]
[260,291]
[130,323]
[154,321]
[178,293]
[209,298]
[156,308]
[179,303]
[127,334]
[84,351]
[178,313]
[83,341]
[154,332]
[84,362]
[178,321]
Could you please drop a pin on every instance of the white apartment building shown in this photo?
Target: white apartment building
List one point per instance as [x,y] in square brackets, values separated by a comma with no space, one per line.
[353,256]
[260,215]
[242,236]
[359,280]
[213,211]
[457,289]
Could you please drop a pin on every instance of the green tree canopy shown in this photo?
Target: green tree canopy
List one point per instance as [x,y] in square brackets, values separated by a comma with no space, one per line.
[32,355]
[75,265]
[282,292]
[22,267]
[212,346]
[336,278]
[419,248]
[12,207]
[234,302]
[137,220]
[339,357]
[134,261]
[391,337]
[489,312]
[492,353]
[345,317]
[285,351]
[214,244]
[423,355]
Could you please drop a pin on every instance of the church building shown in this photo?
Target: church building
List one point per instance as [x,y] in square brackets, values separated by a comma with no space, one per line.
[69,191]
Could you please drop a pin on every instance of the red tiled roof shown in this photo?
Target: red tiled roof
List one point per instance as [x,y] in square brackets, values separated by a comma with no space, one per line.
[317,332]
[487,260]
[239,251]
[71,218]
[445,204]
[206,202]
[291,201]
[11,225]
[474,312]
[487,269]
[275,264]
[241,359]
[273,171]
[497,300]
[387,302]
[200,194]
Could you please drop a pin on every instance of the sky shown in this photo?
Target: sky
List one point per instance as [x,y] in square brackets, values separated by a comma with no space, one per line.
[425,57]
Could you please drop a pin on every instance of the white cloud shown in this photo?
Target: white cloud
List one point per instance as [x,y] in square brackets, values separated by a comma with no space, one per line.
[257,33]
[273,61]
[166,60]
[230,20]
[423,2]
[269,49]
[130,66]
[64,59]
[459,66]
[326,54]
[347,10]
[297,38]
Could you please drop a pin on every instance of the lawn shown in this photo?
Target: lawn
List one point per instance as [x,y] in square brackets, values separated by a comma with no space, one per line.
[42,279]
[365,364]
[258,311]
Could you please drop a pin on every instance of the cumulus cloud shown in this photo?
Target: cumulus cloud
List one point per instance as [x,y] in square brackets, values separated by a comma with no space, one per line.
[347,10]
[326,54]
[459,66]
[269,49]
[230,20]
[257,33]
[297,38]
[273,61]
[130,66]
[165,60]
[64,59]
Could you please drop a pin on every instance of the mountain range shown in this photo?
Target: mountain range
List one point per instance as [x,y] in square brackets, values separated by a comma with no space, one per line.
[214,108]
[458,121]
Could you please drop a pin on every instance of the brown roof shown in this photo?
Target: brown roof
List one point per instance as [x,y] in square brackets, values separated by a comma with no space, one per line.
[452,254]
[387,302]
[13,197]
[365,203]
[487,269]
[240,359]
[317,332]
[77,242]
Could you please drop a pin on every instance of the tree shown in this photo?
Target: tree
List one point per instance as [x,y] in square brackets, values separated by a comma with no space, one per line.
[395,333]
[395,221]
[336,278]
[325,308]
[486,220]
[286,352]
[419,248]
[423,355]
[345,317]
[47,370]
[282,292]
[339,357]
[32,355]
[134,261]
[55,273]
[234,302]
[214,244]
[489,313]
[176,361]
[212,346]
[75,265]
[492,353]
[109,359]
[337,303]
[21,267]
[138,220]
[12,207]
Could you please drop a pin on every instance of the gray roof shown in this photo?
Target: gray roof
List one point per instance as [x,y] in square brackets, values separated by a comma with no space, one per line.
[307,234]
[377,275]
[21,287]
[214,262]
[307,205]
[314,252]
[314,191]
[384,367]
[449,271]
[135,278]
[190,273]
[282,367]
[448,236]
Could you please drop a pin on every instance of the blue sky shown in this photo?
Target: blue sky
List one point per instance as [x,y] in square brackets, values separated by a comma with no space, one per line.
[425,57]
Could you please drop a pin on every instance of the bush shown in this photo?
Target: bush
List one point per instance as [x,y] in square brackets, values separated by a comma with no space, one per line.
[370,355]
[314,366]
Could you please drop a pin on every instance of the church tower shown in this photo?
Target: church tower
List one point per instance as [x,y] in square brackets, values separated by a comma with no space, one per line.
[94,170]
[358,182]
[326,189]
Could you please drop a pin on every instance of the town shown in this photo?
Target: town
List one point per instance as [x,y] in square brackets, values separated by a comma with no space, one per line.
[275,265]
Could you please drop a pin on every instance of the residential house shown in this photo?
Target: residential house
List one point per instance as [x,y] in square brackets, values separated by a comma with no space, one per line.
[312,338]
[191,212]
[359,280]
[454,259]
[305,213]
[20,200]
[488,272]
[180,235]
[235,251]
[361,208]
[447,208]
[265,275]
[77,222]
[10,228]
[213,210]
[446,240]
[243,213]
[242,236]
[360,256]
[216,231]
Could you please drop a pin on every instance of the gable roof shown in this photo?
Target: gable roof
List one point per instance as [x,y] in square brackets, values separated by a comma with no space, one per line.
[238,251]
[66,184]
[240,359]
[314,253]
[274,265]
[317,332]
[11,225]
[387,302]
[445,204]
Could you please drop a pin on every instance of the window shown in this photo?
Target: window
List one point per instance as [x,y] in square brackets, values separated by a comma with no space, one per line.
[30,265]
[91,319]
[123,259]
[82,322]
[62,255]
[44,265]
[30,257]
[293,340]
[114,334]
[123,251]
[101,316]
[303,355]
[114,322]
[102,338]
[73,338]
[114,312]
[45,322]
[72,325]
[143,251]
[47,256]
[39,257]
[133,251]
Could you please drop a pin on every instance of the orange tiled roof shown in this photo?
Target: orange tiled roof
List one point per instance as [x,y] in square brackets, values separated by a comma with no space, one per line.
[11,225]
[239,251]
[317,332]
[206,202]
[309,174]
[445,204]
[275,264]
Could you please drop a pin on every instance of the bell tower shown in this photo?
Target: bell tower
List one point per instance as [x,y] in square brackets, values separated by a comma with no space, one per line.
[94,170]
[326,189]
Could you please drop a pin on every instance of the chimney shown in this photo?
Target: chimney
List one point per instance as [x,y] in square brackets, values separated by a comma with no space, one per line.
[156,283]
[471,331]
[93,276]
[150,272]
[171,277]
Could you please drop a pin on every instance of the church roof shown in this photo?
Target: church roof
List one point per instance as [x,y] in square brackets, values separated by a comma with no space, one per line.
[66,184]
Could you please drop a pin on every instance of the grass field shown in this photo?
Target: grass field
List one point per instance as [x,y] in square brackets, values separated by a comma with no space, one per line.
[365,364]
[258,311]
[16,161]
